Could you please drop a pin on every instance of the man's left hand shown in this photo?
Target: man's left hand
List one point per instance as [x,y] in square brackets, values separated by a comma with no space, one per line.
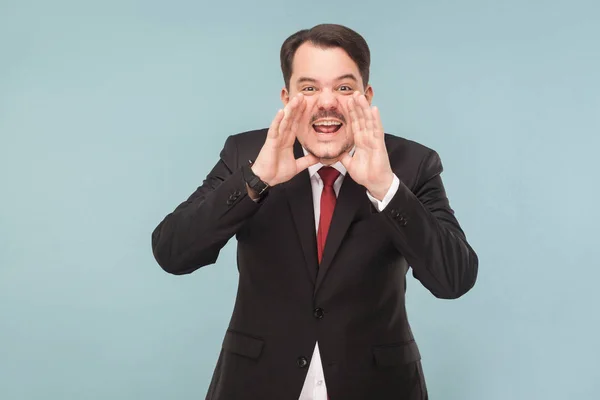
[370,165]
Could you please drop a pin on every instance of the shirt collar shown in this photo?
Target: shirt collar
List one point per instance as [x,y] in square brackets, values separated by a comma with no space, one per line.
[313,169]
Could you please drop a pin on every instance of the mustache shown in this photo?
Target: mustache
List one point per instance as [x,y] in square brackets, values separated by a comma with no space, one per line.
[327,114]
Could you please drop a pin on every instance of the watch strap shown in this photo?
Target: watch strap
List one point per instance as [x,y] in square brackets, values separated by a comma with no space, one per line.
[253,180]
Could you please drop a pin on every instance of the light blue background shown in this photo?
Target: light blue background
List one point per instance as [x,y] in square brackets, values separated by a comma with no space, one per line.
[112,112]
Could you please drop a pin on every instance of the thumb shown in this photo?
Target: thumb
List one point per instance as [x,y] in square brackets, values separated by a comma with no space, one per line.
[304,162]
[346,160]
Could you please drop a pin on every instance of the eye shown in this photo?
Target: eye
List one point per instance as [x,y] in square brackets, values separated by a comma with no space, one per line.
[308,89]
[345,88]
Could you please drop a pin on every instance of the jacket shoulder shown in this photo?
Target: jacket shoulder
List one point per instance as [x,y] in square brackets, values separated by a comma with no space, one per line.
[411,161]
[396,143]
[406,151]
[250,138]
[248,143]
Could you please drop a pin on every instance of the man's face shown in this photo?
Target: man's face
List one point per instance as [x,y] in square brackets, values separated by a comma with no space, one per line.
[327,78]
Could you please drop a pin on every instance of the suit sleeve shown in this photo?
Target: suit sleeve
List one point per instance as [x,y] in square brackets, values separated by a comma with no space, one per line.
[195,232]
[424,229]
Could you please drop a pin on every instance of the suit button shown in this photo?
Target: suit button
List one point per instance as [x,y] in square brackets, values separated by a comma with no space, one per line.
[398,216]
[319,313]
[233,197]
[302,362]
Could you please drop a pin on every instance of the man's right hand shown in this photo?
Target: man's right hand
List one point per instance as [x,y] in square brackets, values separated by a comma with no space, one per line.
[276,162]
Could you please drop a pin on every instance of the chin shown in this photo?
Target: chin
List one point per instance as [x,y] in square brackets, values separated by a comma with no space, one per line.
[328,151]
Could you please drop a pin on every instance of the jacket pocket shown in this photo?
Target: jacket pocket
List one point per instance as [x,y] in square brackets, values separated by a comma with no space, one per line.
[243,344]
[396,354]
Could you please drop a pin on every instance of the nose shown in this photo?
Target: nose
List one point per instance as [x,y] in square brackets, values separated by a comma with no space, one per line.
[327,100]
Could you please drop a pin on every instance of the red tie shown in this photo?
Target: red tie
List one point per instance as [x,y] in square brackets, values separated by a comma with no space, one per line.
[328,176]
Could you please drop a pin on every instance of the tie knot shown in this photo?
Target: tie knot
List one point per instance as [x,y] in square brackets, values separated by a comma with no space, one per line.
[328,175]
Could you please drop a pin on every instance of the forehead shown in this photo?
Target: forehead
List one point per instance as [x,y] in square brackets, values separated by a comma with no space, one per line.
[323,64]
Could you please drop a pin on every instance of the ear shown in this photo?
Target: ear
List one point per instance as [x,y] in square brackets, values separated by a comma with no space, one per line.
[369,93]
[285,96]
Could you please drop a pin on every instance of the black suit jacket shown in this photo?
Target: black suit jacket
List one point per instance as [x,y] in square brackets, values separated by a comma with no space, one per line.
[353,303]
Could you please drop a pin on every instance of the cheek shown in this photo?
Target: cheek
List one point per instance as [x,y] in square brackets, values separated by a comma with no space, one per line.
[344,107]
[311,106]
[343,101]
[308,113]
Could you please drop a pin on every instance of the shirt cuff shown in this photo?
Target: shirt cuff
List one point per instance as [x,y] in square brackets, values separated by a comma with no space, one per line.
[381,205]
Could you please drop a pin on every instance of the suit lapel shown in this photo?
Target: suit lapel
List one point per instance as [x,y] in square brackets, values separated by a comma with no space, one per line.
[347,205]
[299,193]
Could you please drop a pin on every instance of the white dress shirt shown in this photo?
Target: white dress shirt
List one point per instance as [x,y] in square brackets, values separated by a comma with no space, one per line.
[314,386]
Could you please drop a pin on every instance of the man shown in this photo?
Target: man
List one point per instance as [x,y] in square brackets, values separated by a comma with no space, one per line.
[329,213]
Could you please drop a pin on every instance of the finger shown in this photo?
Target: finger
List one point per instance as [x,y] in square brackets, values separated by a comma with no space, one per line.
[377,121]
[354,123]
[288,111]
[304,162]
[298,113]
[274,128]
[292,111]
[368,115]
[360,112]
[346,160]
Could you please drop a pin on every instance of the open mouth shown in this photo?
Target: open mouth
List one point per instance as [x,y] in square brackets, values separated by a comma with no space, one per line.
[327,126]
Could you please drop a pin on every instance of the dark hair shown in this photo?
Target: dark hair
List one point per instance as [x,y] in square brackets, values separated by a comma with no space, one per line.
[327,36]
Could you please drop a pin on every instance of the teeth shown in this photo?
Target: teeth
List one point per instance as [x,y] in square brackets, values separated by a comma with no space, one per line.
[328,123]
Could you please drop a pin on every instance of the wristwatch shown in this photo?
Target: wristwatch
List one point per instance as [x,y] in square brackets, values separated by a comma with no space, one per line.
[254,181]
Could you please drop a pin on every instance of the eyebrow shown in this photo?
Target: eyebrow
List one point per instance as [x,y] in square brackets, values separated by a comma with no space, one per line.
[307,79]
